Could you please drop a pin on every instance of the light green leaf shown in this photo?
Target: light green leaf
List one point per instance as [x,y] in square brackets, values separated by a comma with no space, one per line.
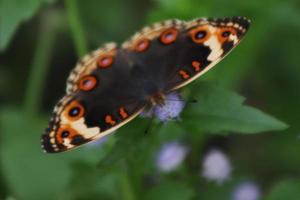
[12,14]
[170,190]
[288,189]
[221,110]
[171,131]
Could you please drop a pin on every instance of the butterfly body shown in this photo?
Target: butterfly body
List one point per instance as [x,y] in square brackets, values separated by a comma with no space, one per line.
[112,85]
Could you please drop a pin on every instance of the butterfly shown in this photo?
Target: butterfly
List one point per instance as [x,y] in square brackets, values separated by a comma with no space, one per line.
[112,85]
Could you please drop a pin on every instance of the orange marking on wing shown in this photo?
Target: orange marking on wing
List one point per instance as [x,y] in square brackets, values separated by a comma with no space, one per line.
[64,132]
[199,34]
[87,83]
[142,45]
[169,36]
[123,113]
[224,33]
[105,61]
[184,74]
[196,65]
[109,120]
[74,111]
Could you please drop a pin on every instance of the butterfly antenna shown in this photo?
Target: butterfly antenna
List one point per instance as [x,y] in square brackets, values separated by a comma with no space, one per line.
[149,125]
[181,100]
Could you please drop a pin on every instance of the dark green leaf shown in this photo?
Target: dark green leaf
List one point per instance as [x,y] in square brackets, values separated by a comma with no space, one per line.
[220,110]
[213,191]
[288,189]
[22,11]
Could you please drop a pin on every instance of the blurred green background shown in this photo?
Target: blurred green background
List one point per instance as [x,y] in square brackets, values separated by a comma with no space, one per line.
[40,42]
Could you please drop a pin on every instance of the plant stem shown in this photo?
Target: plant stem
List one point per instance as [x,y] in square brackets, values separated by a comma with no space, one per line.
[125,184]
[76,27]
[40,65]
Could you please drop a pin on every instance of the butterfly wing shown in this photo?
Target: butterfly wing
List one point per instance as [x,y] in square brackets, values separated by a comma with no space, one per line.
[110,86]
[177,52]
[101,96]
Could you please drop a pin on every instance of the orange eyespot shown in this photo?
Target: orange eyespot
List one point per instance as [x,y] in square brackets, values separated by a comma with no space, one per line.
[142,45]
[105,61]
[169,36]
[87,83]
[74,111]
[199,35]
[226,34]
[65,132]
[223,34]
[227,31]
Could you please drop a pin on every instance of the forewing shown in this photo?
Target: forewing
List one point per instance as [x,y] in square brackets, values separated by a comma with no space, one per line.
[175,52]
[101,97]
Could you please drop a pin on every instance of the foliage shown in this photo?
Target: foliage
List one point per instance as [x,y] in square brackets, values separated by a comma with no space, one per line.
[221,110]
[22,11]
[39,43]
[287,189]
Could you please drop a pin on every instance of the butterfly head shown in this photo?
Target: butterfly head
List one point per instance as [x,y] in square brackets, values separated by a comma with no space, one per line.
[157,99]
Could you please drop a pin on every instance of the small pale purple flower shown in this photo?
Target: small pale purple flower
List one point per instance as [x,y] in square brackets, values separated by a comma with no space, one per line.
[216,166]
[174,104]
[170,156]
[247,191]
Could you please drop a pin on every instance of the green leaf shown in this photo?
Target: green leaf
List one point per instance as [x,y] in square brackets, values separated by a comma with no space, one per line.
[135,145]
[288,189]
[22,11]
[220,110]
[105,26]
[88,182]
[170,190]
[28,172]
[213,191]
[180,9]
[131,141]
[171,131]
[128,140]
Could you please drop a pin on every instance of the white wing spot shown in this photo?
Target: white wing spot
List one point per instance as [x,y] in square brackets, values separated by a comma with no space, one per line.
[215,46]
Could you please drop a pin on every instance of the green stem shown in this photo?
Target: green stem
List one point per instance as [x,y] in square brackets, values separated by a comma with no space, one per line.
[4,191]
[125,185]
[76,27]
[40,65]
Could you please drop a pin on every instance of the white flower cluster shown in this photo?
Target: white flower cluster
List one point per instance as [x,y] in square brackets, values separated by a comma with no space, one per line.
[216,166]
[170,156]
[246,191]
[172,108]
